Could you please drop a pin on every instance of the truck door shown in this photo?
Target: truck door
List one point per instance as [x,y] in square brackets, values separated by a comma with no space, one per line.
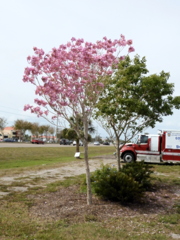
[148,149]
[143,143]
[142,148]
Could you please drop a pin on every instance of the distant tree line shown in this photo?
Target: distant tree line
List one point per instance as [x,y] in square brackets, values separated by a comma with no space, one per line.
[23,126]
[35,128]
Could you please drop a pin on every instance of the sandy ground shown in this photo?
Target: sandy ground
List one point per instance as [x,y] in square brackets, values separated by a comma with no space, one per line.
[52,174]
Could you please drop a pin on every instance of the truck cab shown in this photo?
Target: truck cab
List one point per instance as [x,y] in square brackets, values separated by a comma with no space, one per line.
[147,149]
[164,147]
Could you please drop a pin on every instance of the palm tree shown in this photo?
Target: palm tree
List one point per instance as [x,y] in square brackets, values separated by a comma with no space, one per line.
[76,130]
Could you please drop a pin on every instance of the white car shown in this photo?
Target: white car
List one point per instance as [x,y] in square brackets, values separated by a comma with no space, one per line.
[96,143]
[80,143]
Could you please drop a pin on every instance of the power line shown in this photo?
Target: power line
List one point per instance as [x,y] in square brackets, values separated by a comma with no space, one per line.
[40,118]
[17,114]
[9,107]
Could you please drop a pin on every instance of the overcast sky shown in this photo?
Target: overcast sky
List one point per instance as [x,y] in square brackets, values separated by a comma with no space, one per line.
[153,25]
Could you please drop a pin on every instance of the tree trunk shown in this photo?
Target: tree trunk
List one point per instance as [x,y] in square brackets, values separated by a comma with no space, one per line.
[77,145]
[88,182]
[118,154]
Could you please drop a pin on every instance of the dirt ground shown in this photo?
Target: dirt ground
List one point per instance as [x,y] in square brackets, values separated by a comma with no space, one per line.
[68,203]
[48,175]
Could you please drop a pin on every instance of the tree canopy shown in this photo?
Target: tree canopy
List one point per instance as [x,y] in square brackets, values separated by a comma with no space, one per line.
[133,100]
[68,81]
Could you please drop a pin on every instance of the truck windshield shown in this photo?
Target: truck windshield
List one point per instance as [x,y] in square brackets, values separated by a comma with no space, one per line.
[144,139]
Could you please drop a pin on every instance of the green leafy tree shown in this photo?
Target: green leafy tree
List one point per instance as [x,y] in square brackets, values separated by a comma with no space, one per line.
[133,100]
[43,129]
[23,126]
[34,128]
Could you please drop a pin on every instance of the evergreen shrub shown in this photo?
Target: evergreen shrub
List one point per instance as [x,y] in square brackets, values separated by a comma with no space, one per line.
[140,172]
[126,185]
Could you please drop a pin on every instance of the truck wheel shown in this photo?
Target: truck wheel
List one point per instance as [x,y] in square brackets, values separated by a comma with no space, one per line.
[128,157]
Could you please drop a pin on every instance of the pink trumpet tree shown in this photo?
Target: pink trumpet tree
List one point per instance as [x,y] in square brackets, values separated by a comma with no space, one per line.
[68,81]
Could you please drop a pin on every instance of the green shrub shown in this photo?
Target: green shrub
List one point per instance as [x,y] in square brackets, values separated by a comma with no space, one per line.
[126,185]
[115,186]
[140,172]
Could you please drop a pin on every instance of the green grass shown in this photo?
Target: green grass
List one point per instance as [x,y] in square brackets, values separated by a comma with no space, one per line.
[29,157]
[16,223]
[166,169]
[167,173]
[69,181]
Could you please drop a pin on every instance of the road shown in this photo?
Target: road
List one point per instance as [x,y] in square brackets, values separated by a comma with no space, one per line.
[16,145]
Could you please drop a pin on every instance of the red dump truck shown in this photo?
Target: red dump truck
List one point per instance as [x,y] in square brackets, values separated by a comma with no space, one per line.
[163,147]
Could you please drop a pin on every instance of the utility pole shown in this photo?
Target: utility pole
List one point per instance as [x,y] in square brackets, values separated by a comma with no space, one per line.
[57,130]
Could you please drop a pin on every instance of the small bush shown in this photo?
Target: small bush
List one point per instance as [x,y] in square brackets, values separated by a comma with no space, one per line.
[126,185]
[140,172]
[115,186]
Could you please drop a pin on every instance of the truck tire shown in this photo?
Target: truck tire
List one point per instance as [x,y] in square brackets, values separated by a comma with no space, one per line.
[128,157]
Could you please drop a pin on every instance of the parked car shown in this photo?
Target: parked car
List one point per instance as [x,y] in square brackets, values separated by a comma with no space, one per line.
[37,141]
[64,141]
[80,143]
[96,143]
[9,140]
[106,143]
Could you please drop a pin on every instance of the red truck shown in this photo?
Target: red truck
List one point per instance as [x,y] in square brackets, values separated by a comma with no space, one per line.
[164,147]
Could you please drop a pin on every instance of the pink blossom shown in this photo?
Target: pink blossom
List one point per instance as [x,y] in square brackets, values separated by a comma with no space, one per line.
[131,49]
[129,42]
[44,79]
[40,102]
[25,78]
[109,72]
[122,58]
[68,44]
[73,39]
[27,107]
[46,112]
[83,81]
[64,76]
[123,42]
[100,84]
[27,71]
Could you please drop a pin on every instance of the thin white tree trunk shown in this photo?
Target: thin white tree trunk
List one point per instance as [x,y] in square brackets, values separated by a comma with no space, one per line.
[88,182]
